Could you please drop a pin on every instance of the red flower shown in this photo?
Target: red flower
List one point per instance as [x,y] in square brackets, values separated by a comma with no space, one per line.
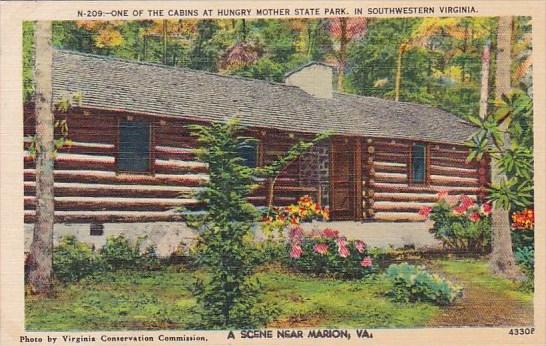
[360,246]
[321,248]
[486,208]
[366,262]
[466,202]
[474,217]
[296,251]
[425,211]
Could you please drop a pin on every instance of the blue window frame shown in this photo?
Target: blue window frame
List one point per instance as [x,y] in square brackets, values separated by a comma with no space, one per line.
[418,164]
[134,146]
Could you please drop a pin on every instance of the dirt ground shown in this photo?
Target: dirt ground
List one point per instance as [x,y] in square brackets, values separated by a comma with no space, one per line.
[484,307]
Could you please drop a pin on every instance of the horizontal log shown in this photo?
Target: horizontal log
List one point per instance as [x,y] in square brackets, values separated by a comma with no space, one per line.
[395,178]
[179,167]
[454,162]
[404,188]
[92,136]
[384,167]
[392,150]
[111,177]
[174,153]
[398,217]
[176,141]
[406,197]
[81,148]
[453,171]
[453,181]
[448,152]
[109,216]
[410,207]
[66,161]
[388,144]
[449,147]
[113,203]
[394,158]
[111,190]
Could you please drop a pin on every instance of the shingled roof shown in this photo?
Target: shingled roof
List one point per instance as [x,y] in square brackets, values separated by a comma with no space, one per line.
[115,84]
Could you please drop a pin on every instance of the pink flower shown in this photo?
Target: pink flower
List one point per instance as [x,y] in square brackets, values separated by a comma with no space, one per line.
[296,234]
[360,246]
[366,262]
[442,194]
[296,251]
[486,209]
[474,217]
[343,251]
[341,241]
[330,233]
[321,248]
[425,211]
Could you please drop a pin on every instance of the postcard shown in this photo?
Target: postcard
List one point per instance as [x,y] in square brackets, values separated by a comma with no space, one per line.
[272,172]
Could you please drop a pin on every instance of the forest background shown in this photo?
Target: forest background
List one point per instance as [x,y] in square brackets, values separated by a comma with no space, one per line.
[432,61]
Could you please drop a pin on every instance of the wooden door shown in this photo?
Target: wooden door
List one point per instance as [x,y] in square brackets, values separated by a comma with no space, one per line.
[343,177]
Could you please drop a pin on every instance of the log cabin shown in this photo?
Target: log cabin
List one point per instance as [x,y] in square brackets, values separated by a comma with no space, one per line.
[131,157]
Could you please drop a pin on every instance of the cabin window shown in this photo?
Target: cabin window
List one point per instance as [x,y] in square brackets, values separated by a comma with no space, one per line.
[134,146]
[418,164]
[249,153]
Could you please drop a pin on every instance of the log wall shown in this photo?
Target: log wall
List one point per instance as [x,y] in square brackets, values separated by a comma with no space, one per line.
[388,194]
[88,187]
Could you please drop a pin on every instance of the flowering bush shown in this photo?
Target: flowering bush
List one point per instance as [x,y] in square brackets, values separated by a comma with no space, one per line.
[326,252]
[460,223]
[305,210]
[523,220]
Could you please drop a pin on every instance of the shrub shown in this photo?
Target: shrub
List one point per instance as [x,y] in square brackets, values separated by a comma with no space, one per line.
[411,284]
[119,253]
[462,224]
[275,220]
[74,260]
[325,252]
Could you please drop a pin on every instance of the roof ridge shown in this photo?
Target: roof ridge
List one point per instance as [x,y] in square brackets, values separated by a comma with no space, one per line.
[179,68]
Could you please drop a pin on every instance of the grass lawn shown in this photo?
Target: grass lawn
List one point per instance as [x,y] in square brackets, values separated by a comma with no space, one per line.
[162,300]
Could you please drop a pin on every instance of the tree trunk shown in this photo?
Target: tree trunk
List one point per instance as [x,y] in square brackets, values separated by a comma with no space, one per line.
[398,72]
[502,259]
[342,53]
[484,91]
[40,261]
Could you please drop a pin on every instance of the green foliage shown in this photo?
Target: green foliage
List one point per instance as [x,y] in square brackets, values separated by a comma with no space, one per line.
[119,253]
[229,298]
[506,135]
[414,284]
[28,61]
[74,260]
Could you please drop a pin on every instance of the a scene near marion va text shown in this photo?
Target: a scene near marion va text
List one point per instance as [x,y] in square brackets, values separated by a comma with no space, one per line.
[267,173]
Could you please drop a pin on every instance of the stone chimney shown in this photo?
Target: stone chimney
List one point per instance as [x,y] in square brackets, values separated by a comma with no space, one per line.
[314,78]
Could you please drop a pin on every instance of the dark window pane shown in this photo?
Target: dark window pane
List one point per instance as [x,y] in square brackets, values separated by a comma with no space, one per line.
[249,154]
[418,163]
[134,146]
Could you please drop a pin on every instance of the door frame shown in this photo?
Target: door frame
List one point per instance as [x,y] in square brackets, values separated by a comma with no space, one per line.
[357,177]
